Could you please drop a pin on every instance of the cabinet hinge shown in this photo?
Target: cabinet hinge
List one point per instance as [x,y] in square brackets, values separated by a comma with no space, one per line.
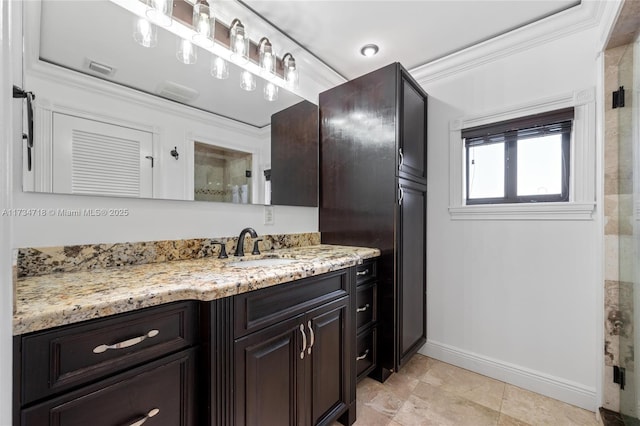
[619,376]
[618,98]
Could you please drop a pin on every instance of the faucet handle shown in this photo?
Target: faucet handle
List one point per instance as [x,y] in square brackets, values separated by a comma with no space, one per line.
[223,249]
[256,249]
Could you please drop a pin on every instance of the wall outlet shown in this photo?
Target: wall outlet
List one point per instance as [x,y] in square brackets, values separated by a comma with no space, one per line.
[269,218]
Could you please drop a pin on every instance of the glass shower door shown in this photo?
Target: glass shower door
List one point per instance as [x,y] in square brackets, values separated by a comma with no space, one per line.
[629,234]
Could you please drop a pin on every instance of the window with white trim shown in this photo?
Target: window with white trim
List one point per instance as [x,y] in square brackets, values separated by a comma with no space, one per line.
[522,160]
[581,162]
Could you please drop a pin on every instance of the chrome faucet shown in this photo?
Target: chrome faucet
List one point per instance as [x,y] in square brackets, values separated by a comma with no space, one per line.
[240,246]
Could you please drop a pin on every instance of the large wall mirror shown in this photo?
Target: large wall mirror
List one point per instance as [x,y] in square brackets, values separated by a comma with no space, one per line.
[116,118]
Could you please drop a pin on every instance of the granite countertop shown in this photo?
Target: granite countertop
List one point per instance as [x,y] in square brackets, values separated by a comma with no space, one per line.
[64,298]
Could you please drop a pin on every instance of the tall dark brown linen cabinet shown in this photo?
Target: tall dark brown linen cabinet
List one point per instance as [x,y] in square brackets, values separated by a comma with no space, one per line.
[373,156]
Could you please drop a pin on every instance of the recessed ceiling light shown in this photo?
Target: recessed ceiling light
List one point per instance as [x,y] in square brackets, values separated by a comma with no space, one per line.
[369,50]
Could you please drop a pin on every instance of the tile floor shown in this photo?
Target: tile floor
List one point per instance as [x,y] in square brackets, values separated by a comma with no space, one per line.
[430,392]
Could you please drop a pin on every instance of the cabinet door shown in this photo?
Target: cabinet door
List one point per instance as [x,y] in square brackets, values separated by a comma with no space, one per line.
[294,156]
[268,373]
[413,133]
[329,360]
[411,259]
[96,158]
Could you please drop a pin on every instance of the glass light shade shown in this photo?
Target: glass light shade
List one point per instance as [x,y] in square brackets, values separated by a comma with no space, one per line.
[219,68]
[247,81]
[203,23]
[369,50]
[270,91]
[145,33]
[290,71]
[186,52]
[267,60]
[239,41]
[160,12]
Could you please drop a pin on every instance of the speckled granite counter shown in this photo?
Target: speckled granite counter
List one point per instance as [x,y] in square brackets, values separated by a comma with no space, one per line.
[64,298]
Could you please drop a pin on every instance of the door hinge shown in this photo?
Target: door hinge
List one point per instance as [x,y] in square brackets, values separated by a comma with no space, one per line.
[619,376]
[19,93]
[618,98]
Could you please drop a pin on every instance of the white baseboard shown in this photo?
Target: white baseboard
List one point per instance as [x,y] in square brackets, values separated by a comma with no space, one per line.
[535,381]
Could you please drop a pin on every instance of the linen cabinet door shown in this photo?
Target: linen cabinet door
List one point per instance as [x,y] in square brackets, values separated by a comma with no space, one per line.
[268,374]
[329,360]
[411,258]
[413,132]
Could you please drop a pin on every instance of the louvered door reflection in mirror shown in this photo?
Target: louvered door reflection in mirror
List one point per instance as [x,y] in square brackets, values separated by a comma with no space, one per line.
[96,158]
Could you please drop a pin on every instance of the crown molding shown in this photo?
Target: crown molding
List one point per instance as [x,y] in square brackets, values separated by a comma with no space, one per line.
[610,15]
[579,18]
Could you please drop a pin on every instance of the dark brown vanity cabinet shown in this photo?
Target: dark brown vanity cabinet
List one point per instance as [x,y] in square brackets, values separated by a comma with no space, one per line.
[294,156]
[119,370]
[373,156]
[281,355]
[293,352]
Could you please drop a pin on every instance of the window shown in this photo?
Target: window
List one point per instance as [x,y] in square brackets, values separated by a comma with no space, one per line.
[523,160]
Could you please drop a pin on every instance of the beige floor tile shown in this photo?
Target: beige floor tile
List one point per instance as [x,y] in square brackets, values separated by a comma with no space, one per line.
[472,386]
[536,409]
[401,384]
[505,420]
[369,417]
[435,406]
[417,366]
[378,397]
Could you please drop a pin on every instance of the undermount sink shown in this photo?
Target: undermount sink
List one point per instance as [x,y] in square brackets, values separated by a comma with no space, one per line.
[269,261]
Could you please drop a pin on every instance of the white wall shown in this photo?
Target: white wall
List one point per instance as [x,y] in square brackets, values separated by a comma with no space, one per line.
[6,136]
[513,299]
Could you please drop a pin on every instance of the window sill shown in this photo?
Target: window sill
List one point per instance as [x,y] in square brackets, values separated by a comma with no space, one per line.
[528,211]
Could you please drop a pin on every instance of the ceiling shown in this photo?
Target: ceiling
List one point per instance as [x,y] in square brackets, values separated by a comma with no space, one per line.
[410,32]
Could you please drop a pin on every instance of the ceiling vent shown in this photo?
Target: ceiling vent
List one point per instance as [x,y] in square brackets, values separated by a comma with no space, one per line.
[177,92]
[101,68]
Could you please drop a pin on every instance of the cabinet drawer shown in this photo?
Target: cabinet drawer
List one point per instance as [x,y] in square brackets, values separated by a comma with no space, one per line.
[74,355]
[258,309]
[366,305]
[366,357]
[163,391]
[366,272]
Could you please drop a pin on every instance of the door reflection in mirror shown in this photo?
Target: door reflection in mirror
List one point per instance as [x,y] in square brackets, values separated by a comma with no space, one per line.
[222,174]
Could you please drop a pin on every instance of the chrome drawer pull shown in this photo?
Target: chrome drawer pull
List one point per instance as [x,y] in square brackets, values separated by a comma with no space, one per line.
[364,308]
[150,414]
[126,343]
[313,336]
[304,341]
[365,272]
[401,162]
[363,356]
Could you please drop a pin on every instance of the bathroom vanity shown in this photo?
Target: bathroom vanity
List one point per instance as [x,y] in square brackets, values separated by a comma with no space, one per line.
[227,342]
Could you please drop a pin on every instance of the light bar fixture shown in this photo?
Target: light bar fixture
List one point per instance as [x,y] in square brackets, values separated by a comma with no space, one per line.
[196,28]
